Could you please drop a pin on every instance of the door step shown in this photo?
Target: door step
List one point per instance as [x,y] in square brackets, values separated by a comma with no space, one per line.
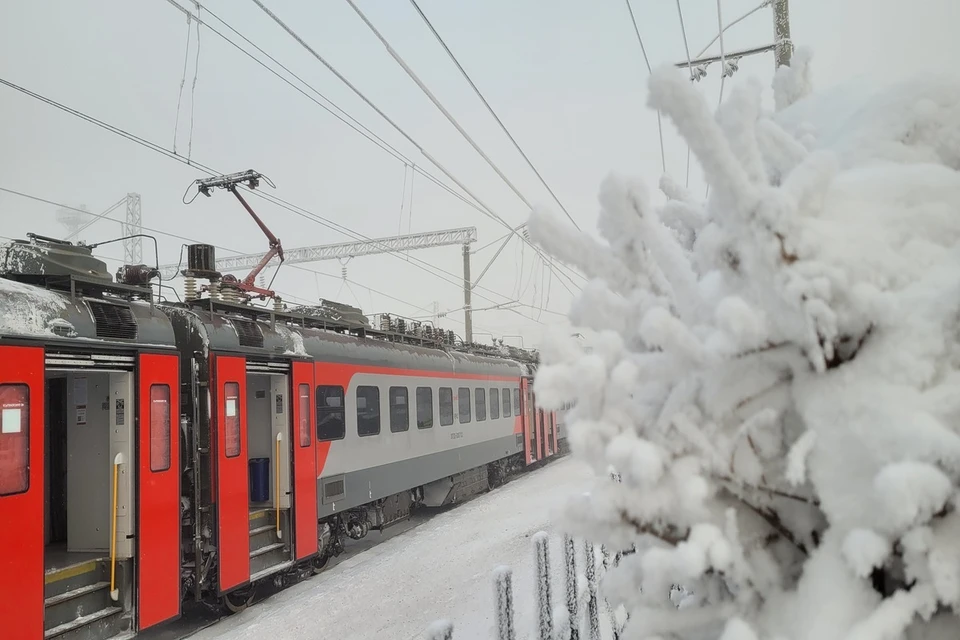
[77,604]
[76,593]
[87,623]
[271,570]
[267,549]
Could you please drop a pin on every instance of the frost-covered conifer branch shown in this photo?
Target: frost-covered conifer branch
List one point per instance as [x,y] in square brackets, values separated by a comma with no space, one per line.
[774,373]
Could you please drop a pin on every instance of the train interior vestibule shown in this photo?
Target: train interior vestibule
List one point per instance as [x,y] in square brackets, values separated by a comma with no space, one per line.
[88,497]
[268,447]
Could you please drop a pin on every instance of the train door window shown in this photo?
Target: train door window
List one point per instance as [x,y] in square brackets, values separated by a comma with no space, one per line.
[231,418]
[494,404]
[399,409]
[303,396]
[424,408]
[481,401]
[506,403]
[368,411]
[331,419]
[14,439]
[159,427]
[446,406]
[463,405]
[516,401]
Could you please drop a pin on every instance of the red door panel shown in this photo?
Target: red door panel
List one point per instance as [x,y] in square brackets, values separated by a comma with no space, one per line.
[158,531]
[21,491]
[304,462]
[529,422]
[233,505]
[554,437]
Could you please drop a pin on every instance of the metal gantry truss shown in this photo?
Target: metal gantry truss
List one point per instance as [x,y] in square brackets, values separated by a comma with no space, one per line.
[344,250]
[133,245]
[464,236]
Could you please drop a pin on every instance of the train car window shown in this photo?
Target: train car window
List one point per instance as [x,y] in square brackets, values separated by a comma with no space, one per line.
[516,401]
[463,405]
[14,439]
[399,409]
[424,408]
[506,403]
[446,406]
[368,411]
[494,404]
[231,418]
[159,427]
[481,404]
[303,394]
[331,419]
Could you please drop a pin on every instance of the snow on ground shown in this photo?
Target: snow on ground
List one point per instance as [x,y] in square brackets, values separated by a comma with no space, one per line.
[442,569]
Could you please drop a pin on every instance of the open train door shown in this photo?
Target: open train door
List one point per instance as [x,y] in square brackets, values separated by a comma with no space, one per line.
[21,491]
[304,463]
[158,490]
[229,422]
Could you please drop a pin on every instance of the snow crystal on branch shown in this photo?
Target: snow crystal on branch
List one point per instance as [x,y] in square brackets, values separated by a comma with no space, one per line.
[774,374]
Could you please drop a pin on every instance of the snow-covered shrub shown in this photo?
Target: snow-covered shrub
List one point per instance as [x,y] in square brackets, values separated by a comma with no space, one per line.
[774,374]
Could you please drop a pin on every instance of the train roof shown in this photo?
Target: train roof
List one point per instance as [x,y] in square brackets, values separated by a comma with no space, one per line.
[81,311]
[226,327]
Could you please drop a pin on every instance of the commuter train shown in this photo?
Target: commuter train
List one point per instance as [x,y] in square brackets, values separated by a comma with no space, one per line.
[154,454]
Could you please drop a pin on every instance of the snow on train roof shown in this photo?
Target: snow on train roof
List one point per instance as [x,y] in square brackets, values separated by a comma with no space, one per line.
[29,310]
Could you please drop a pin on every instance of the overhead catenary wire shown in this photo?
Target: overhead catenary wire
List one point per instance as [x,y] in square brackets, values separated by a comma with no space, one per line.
[646,60]
[333,109]
[723,29]
[453,278]
[686,47]
[352,122]
[451,119]
[492,112]
[488,211]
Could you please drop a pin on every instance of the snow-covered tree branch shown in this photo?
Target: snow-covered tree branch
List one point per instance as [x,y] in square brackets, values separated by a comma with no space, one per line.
[774,374]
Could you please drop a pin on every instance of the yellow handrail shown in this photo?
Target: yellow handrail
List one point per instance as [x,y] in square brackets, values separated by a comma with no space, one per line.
[114,592]
[277,485]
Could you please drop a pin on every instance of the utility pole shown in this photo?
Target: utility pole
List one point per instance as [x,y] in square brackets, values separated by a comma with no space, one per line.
[132,247]
[781,32]
[467,286]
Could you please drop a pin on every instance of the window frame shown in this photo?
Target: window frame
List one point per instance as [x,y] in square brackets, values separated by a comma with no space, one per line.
[304,415]
[356,399]
[461,392]
[329,409]
[428,403]
[494,403]
[480,404]
[164,428]
[229,420]
[406,406]
[506,411]
[23,402]
[440,399]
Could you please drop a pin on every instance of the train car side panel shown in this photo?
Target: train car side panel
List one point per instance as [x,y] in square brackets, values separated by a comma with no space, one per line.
[304,462]
[158,547]
[230,433]
[21,491]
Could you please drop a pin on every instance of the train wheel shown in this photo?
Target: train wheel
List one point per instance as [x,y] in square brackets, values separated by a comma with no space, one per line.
[320,562]
[239,600]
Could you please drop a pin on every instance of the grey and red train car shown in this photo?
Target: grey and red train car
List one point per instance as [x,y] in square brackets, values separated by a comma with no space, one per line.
[155,454]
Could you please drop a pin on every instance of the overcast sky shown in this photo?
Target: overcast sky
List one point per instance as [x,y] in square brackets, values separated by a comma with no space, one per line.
[566,76]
